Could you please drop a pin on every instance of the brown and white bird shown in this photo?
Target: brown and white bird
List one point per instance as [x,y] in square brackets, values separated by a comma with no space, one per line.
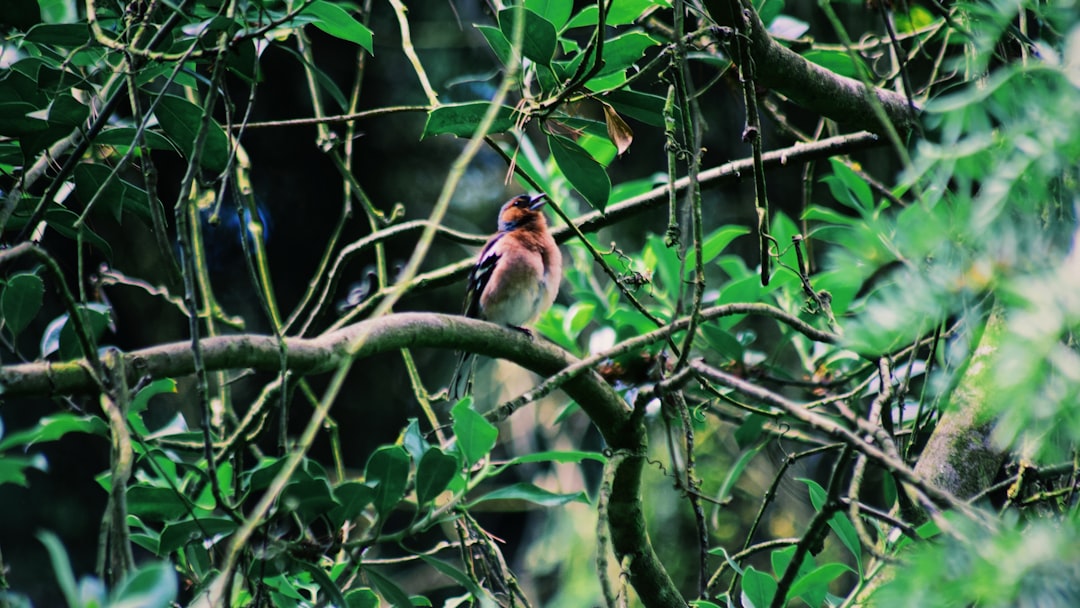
[516,277]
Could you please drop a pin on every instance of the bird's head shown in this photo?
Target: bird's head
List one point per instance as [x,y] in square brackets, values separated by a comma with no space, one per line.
[522,210]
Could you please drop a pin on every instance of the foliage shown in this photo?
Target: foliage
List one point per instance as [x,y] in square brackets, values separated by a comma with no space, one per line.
[783,367]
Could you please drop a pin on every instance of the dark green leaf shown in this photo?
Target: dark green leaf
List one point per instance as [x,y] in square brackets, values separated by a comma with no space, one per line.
[308,498]
[361,598]
[125,136]
[116,194]
[21,301]
[582,171]
[462,119]
[66,112]
[433,474]
[724,344]
[181,119]
[332,591]
[15,122]
[642,107]
[714,245]
[498,43]
[60,34]
[839,522]
[179,534]
[13,468]
[758,589]
[457,576]
[388,589]
[95,319]
[750,430]
[388,467]
[540,35]
[65,576]
[337,22]
[860,193]
[353,497]
[781,559]
[51,428]
[735,473]
[475,435]
[155,504]
[529,493]
[151,586]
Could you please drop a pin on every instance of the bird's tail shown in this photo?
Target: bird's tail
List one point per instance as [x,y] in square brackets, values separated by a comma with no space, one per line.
[461,383]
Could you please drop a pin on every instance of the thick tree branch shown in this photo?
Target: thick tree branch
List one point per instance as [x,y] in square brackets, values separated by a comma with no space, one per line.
[809,85]
[623,431]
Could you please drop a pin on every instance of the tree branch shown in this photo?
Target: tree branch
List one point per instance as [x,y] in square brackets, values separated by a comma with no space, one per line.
[809,85]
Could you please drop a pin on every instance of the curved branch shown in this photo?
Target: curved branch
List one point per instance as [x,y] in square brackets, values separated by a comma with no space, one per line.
[622,430]
[843,99]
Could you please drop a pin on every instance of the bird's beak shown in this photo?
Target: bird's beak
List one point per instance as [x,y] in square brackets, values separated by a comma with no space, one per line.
[537,201]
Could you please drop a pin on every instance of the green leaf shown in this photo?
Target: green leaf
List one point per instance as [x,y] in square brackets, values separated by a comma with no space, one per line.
[555,11]
[116,194]
[125,136]
[855,184]
[353,497]
[64,111]
[388,467]
[60,34]
[582,171]
[539,36]
[308,498]
[527,492]
[462,119]
[413,440]
[181,533]
[498,43]
[337,22]
[781,559]
[735,473]
[714,245]
[361,598]
[625,12]
[834,61]
[15,122]
[388,589]
[475,435]
[758,589]
[622,51]
[155,504]
[13,468]
[556,456]
[459,577]
[63,222]
[21,301]
[433,474]
[51,428]
[328,586]
[65,577]
[180,119]
[839,522]
[813,586]
[151,586]
[642,107]
[95,318]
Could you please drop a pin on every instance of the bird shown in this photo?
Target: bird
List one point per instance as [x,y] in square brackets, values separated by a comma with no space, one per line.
[515,279]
